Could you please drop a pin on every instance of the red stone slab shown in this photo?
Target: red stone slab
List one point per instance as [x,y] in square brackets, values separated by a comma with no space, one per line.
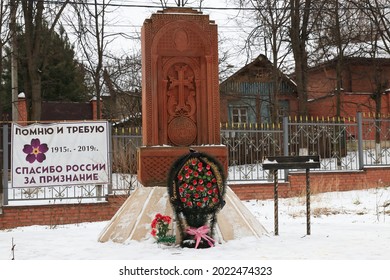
[180,86]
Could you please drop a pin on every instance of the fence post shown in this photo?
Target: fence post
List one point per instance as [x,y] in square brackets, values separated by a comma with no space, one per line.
[285,143]
[109,189]
[308,214]
[360,139]
[1,179]
[5,164]
[276,202]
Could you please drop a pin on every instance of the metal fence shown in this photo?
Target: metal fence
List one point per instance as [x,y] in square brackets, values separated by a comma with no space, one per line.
[342,144]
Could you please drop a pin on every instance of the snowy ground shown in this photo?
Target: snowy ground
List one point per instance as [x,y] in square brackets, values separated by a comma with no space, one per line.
[350,225]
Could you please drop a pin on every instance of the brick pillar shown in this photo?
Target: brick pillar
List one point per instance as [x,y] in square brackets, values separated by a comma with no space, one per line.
[93,102]
[22,109]
[387,100]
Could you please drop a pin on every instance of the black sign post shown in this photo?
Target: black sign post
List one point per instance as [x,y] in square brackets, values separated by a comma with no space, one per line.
[291,162]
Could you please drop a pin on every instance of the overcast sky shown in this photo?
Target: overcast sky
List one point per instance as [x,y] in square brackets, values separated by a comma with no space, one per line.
[130,17]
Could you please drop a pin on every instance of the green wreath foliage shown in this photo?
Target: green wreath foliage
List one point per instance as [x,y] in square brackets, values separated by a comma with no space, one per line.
[196,187]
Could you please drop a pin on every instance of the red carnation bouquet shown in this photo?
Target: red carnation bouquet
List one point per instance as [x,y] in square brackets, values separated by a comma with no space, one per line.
[160,228]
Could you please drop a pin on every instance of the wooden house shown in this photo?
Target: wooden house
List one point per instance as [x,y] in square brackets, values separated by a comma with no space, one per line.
[248,95]
[123,108]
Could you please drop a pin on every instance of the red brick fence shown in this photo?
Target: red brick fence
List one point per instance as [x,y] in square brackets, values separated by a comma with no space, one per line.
[59,214]
[320,182]
[52,215]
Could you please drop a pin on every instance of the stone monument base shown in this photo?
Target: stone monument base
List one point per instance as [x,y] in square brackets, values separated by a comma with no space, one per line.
[132,221]
[154,162]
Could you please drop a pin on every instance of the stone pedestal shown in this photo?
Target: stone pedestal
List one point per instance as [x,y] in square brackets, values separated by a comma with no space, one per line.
[132,221]
[155,162]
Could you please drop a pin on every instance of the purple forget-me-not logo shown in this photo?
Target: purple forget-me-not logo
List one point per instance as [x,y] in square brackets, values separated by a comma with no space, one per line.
[35,151]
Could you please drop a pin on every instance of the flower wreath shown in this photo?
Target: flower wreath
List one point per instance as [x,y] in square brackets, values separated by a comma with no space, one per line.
[196,186]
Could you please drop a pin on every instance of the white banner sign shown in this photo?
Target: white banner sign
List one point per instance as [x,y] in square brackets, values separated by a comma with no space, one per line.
[60,154]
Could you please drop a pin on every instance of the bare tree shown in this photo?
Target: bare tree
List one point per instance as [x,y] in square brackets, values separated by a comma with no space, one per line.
[285,26]
[93,39]
[270,32]
[122,77]
[340,61]
[164,3]
[339,32]
[4,18]
[224,56]
[178,3]
[4,35]
[35,15]
[300,14]
[3,39]
[181,3]
[330,37]
[378,11]
[14,59]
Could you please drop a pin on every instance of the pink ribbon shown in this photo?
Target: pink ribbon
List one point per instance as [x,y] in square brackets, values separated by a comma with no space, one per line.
[200,233]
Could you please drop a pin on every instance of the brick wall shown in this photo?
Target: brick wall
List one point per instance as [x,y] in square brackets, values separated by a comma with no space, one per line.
[319,182]
[52,215]
[350,104]
[358,83]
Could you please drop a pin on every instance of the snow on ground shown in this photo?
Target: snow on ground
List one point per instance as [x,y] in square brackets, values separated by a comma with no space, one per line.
[351,225]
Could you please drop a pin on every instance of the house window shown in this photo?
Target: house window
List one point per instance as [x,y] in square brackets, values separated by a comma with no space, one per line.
[239,115]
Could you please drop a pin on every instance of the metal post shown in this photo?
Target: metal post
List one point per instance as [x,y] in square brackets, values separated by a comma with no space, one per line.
[5,164]
[360,139]
[276,210]
[109,191]
[1,182]
[308,201]
[285,143]
[99,192]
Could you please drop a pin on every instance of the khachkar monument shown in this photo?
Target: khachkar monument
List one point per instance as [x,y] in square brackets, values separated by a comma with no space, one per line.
[180,91]
[180,110]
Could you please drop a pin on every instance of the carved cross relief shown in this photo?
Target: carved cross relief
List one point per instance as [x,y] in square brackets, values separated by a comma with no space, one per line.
[181,105]
[181,93]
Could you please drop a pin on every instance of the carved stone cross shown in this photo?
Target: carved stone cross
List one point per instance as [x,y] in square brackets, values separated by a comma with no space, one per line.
[181,83]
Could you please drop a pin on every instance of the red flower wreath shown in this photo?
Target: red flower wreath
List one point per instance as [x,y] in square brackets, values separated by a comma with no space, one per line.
[198,185]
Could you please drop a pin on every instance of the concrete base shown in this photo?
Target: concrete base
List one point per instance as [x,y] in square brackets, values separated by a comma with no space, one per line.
[132,221]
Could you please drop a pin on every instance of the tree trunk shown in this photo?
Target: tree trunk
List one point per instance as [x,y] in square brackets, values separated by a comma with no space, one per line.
[36,99]
[14,61]
[275,80]
[299,37]
[36,50]
[340,60]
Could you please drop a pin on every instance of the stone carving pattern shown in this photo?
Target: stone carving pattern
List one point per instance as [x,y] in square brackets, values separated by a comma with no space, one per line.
[181,105]
[181,92]
[167,43]
[159,168]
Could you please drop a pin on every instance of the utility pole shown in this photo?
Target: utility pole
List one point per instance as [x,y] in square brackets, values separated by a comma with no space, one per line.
[14,60]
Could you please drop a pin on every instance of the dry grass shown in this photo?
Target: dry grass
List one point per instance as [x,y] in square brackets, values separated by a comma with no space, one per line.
[321,211]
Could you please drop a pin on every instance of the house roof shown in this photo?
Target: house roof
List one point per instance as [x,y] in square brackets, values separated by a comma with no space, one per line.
[351,60]
[260,62]
[53,111]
